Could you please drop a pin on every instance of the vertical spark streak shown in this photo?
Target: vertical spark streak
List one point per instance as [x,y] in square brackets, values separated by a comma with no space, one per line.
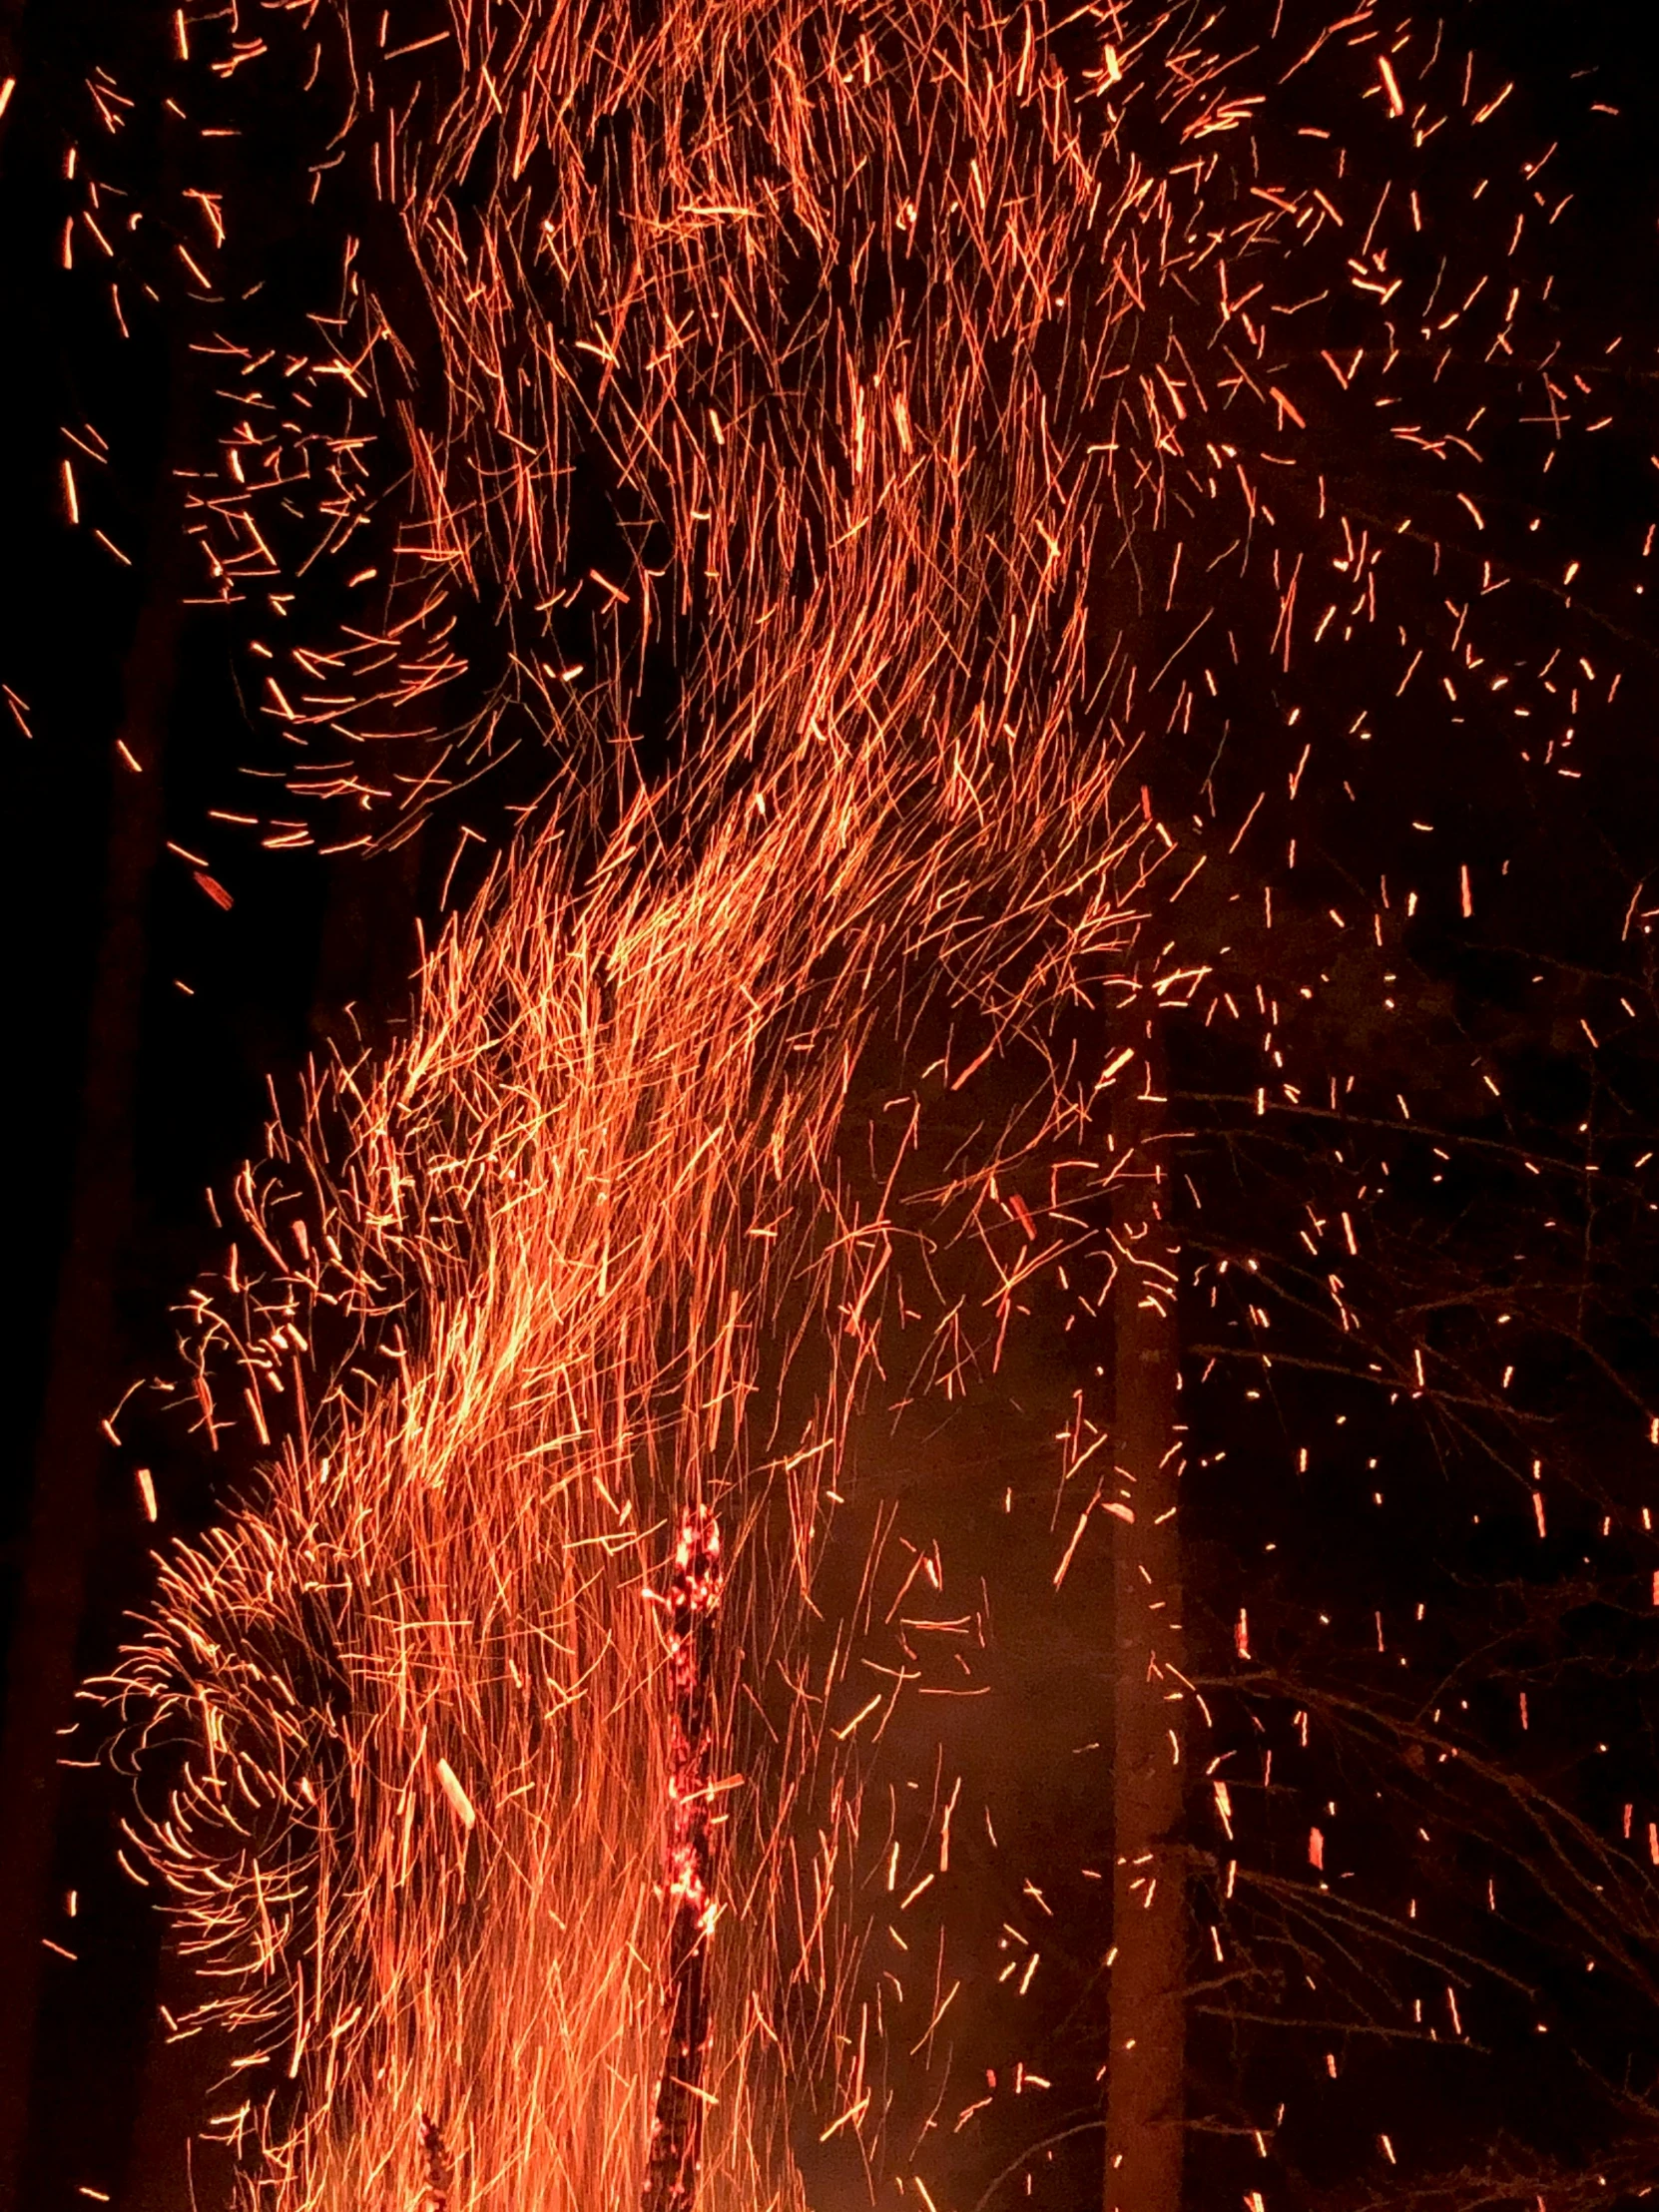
[677,2131]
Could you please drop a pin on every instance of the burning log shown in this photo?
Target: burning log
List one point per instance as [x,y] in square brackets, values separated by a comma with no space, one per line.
[677,2132]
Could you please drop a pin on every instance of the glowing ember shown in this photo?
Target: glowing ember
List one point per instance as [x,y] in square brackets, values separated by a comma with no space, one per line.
[676,2133]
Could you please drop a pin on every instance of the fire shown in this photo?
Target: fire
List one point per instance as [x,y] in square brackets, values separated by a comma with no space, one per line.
[481,1739]
[506,1754]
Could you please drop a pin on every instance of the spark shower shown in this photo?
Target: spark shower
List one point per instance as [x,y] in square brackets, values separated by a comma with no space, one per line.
[880,502]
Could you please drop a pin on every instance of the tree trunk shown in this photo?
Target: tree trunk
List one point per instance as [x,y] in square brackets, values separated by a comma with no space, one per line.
[1147,2005]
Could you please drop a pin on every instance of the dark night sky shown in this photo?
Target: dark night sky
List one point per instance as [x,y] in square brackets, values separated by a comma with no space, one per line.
[127,1098]
[182,1080]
